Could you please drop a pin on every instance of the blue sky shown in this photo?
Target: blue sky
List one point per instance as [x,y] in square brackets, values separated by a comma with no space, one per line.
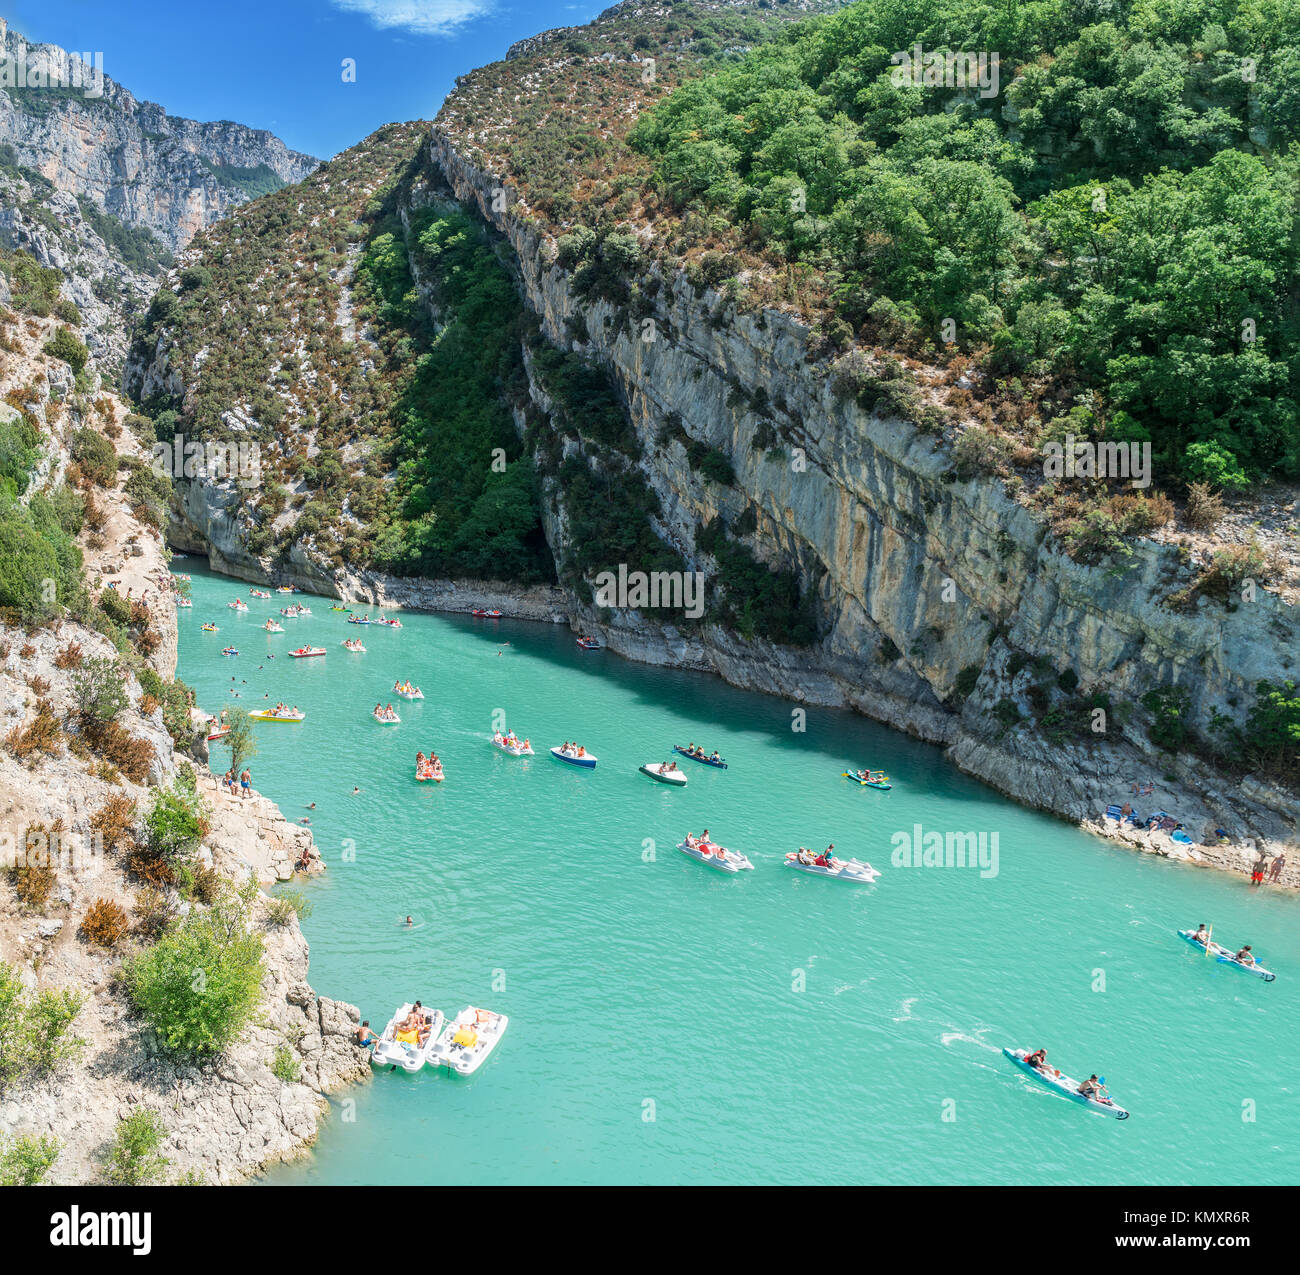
[277,63]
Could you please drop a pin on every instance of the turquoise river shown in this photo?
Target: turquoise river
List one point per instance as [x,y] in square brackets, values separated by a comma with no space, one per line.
[672,1024]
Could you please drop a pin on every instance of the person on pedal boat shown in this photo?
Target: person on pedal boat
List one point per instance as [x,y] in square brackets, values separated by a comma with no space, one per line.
[805,856]
[1091,1088]
[1245,956]
[1202,935]
[827,857]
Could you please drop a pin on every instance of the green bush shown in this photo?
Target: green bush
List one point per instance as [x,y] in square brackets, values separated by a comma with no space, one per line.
[34,1028]
[200,984]
[1273,727]
[99,687]
[65,345]
[1169,707]
[26,1159]
[96,456]
[133,1158]
[175,824]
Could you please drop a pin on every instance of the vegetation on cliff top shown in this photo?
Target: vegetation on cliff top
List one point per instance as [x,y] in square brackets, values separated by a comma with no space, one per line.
[1118,218]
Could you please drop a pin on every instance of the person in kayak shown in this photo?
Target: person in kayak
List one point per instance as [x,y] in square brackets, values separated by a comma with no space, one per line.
[1037,1059]
[1245,956]
[1202,935]
[1091,1088]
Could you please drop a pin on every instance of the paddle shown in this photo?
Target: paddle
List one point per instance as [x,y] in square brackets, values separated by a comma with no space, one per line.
[1209,940]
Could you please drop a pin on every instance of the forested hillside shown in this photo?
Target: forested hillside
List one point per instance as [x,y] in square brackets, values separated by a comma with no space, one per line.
[1112,233]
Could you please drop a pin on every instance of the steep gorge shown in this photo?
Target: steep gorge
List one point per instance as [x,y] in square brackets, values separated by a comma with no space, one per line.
[943,605]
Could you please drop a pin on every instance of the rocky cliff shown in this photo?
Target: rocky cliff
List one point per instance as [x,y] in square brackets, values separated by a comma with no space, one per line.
[145,167]
[917,576]
[261,1099]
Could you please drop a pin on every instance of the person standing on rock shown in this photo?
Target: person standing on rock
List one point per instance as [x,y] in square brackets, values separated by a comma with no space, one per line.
[246,785]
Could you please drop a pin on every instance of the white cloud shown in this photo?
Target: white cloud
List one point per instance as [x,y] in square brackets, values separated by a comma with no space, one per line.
[422,17]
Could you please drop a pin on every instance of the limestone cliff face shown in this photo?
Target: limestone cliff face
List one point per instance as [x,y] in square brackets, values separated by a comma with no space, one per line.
[917,576]
[146,167]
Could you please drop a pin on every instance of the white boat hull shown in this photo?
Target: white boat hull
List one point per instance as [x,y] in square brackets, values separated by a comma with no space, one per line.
[731,861]
[467,1059]
[391,1052]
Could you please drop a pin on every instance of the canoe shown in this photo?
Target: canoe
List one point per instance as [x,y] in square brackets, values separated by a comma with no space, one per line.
[883,784]
[586,762]
[352,619]
[268,715]
[231,650]
[479,1029]
[729,861]
[1065,1086]
[704,761]
[515,750]
[391,1052]
[655,769]
[589,644]
[848,870]
[1225,956]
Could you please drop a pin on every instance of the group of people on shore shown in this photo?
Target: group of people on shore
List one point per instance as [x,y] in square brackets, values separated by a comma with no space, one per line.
[240,785]
[1264,867]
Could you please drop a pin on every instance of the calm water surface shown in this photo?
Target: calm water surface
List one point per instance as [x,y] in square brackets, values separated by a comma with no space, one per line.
[670,1024]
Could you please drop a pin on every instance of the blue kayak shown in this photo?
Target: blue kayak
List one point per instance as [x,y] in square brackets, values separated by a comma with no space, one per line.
[704,761]
[1065,1086]
[1225,957]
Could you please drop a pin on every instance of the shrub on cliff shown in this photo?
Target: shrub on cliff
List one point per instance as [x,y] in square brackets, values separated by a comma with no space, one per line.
[1273,728]
[99,687]
[65,345]
[133,1158]
[34,1027]
[175,824]
[199,985]
[26,1159]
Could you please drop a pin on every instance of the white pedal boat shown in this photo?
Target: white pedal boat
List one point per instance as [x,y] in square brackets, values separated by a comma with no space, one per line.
[845,869]
[391,1052]
[727,861]
[394,720]
[657,770]
[417,693]
[516,749]
[468,1039]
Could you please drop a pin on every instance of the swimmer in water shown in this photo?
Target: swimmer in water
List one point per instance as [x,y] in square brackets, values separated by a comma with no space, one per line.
[410,921]
[355,791]
[311,806]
